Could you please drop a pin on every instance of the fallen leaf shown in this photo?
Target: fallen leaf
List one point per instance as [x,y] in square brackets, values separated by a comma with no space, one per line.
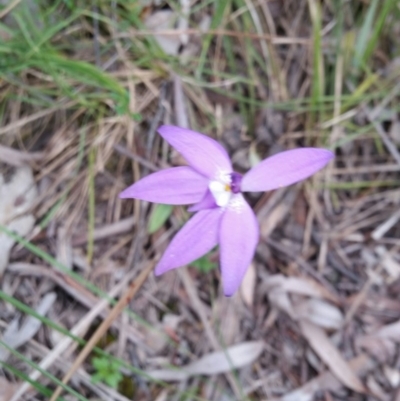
[225,319]
[277,214]
[254,158]
[163,396]
[319,312]
[248,285]
[18,158]
[380,348]
[280,299]
[390,331]
[14,337]
[234,357]
[16,199]
[394,131]
[381,342]
[389,263]
[376,389]
[324,348]
[183,23]
[181,115]
[299,285]
[392,375]
[64,247]
[327,381]
[383,228]
[160,21]
[6,389]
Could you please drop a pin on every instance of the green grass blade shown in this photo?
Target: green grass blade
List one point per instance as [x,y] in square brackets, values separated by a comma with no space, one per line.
[43,372]
[221,7]
[364,34]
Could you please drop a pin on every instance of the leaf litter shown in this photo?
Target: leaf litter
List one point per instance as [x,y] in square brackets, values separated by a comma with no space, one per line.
[215,363]
[317,316]
[17,197]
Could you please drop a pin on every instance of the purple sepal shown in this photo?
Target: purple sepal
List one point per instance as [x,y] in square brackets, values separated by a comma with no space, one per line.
[172,186]
[208,202]
[285,168]
[197,237]
[205,155]
[238,238]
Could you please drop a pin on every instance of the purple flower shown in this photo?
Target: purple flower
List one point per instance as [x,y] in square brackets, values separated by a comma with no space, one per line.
[223,216]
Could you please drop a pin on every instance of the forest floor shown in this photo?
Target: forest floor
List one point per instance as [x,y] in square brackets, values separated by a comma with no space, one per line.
[84,87]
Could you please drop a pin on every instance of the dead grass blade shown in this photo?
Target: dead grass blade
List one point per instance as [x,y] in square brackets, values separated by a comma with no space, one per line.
[219,32]
[29,119]
[9,8]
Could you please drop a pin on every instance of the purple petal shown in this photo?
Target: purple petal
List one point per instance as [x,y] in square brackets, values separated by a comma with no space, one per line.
[285,168]
[197,237]
[238,238]
[173,186]
[208,202]
[204,154]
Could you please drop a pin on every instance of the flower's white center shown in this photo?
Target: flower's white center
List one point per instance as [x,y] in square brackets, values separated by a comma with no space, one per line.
[237,203]
[221,192]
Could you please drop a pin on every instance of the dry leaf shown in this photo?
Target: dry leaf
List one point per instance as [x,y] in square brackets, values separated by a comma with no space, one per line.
[388,262]
[277,214]
[280,299]
[183,22]
[248,285]
[18,158]
[376,389]
[16,198]
[163,396]
[225,319]
[6,389]
[234,357]
[254,158]
[394,131]
[15,337]
[390,331]
[383,228]
[327,382]
[279,287]
[381,343]
[392,375]
[64,247]
[160,21]
[321,344]
[299,285]
[181,115]
[319,312]
[380,348]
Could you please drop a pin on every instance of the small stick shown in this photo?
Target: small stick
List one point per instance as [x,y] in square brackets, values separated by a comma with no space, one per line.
[119,306]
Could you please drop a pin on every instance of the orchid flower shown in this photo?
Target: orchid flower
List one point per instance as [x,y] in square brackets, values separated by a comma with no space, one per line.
[222,214]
